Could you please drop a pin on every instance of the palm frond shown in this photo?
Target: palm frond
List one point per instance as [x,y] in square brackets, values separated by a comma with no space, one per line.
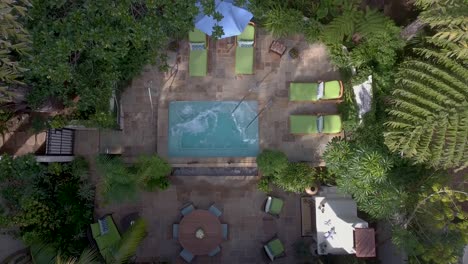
[129,243]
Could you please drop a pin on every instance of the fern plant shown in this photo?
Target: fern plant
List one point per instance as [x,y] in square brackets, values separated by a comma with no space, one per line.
[282,22]
[449,19]
[429,117]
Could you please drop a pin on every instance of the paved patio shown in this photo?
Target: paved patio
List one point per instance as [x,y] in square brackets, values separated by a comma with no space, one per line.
[146,118]
[145,130]
[241,203]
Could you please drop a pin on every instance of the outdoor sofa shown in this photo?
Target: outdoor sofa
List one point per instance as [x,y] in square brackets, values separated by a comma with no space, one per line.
[315,124]
[106,235]
[315,92]
[198,59]
[245,50]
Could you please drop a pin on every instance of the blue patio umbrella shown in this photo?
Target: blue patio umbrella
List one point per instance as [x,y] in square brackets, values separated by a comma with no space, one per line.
[234,21]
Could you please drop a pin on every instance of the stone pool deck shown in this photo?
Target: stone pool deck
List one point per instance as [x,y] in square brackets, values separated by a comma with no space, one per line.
[145,131]
[146,117]
[241,203]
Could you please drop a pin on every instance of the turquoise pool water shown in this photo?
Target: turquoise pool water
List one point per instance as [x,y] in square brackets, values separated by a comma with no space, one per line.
[210,129]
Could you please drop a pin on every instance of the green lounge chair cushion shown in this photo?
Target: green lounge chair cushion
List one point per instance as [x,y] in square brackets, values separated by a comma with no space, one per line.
[248,33]
[276,206]
[197,36]
[303,124]
[198,62]
[332,124]
[105,242]
[331,90]
[303,91]
[276,247]
[244,60]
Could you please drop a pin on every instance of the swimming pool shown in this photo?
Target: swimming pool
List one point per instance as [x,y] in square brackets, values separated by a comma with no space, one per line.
[212,129]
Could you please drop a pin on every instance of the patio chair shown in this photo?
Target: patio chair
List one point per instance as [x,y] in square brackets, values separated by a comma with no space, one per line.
[215,211]
[106,235]
[186,255]
[215,251]
[315,124]
[198,59]
[225,228]
[273,206]
[245,50]
[187,209]
[274,249]
[315,92]
[175,231]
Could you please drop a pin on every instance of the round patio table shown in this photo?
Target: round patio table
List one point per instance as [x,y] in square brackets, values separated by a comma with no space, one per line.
[212,232]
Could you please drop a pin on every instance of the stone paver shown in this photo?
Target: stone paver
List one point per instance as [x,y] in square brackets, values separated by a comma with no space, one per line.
[145,109]
[242,205]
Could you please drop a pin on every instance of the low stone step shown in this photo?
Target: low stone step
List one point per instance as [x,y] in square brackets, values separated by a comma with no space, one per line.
[216,171]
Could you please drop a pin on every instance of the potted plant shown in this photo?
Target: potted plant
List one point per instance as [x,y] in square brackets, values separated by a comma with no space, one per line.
[294,53]
[173,46]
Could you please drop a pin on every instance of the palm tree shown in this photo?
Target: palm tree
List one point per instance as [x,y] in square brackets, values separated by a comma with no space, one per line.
[121,253]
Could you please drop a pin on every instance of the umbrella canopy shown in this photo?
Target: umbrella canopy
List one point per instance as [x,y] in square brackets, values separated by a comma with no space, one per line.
[234,21]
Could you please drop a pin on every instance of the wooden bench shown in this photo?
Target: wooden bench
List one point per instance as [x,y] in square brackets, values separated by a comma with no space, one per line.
[308,227]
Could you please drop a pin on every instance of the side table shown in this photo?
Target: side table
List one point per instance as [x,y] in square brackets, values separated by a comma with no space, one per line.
[278,48]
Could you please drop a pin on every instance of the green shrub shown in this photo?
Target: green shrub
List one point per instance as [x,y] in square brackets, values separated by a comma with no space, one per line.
[44,202]
[282,22]
[87,49]
[295,178]
[152,172]
[119,183]
[272,162]
[264,184]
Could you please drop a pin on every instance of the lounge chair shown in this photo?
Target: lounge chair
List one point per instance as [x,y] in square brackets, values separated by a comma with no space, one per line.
[225,228]
[186,255]
[273,205]
[215,211]
[315,92]
[315,124]
[198,60]
[245,50]
[215,251]
[106,235]
[187,209]
[274,249]
[175,231]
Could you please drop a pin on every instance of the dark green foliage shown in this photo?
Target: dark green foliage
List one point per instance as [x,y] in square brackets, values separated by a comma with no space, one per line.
[449,20]
[50,204]
[15,42]
[436,231]
[364,173]
[272,162]
[87,48]
[122,182]
[264,184]
[119,183]
[17,176]
[348,108]
[282,22]
[289,176]
[152,172]
[295,178]
[429,117]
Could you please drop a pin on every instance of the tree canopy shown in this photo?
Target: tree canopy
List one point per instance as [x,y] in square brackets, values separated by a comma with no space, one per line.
[429,116]
[86,49]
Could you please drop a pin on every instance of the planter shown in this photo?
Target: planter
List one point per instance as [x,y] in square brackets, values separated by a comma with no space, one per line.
[293,53]
[173,46]
[312,190]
